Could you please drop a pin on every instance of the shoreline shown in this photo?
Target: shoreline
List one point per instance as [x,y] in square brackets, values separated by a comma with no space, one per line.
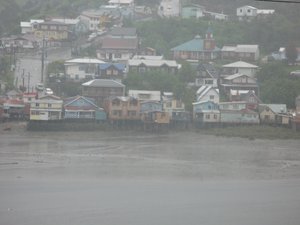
[248,132]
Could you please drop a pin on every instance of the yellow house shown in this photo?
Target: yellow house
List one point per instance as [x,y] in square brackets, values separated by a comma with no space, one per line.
[273,113]
[52,30]
[46,108]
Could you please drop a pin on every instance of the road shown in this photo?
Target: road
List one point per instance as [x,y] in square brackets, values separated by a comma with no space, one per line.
[28,66]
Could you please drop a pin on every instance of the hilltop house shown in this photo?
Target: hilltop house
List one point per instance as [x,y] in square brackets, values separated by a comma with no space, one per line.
[197,49]
[52,31]
[192,11]
[82,68]
[175,107]
[207,75]
[100,89]
[237,84]
[239,67]
[144,65]
[169,8]
[241,52]
[114,71]
[248,13]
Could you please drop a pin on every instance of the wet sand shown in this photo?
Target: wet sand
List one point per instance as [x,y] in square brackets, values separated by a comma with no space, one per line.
[141,178]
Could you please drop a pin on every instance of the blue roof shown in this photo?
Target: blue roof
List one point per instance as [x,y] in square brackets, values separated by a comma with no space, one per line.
[195,45]
[118,66]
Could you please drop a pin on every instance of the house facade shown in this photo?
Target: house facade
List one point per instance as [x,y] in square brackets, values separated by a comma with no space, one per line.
[239,67]
[52,31]
[241,52]
[82,68]
[272,113]
[244,116]
[122,108]
[207,75]
[144,65]
[79,107]
[46,108]
[169,8]
[144,95]
[248,13]
[192,11]
[208,93]
[114,71]
[100,89]
[197,49]
[238,84]
[172,106]
[206,112]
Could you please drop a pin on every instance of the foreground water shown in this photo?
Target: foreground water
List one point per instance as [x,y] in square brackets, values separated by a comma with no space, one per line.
[136,178]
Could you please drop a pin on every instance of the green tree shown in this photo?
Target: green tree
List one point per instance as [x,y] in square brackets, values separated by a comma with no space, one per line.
[291,53]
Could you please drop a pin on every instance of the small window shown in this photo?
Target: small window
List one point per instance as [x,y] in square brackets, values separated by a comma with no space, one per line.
[207,116]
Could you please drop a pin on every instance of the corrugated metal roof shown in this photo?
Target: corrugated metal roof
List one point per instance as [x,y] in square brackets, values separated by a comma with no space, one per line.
[84,60]
[102,83]
[152,63]
[195,45]
[276,108]
[240,64]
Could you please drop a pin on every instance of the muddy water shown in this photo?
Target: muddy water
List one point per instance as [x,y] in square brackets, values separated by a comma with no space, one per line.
[137,178]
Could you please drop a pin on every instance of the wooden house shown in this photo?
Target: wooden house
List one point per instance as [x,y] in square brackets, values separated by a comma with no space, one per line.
[208,93]
[13,109]
[207,75]
[206,112]
[122,108]
[100,89]
[274,114]
[237,84]
[80,107]
[243,116]
[239,67]
[114,71]
[46,108]
[145,65]
[152,112]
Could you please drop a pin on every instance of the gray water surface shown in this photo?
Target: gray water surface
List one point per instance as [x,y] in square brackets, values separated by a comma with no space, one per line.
[132,178]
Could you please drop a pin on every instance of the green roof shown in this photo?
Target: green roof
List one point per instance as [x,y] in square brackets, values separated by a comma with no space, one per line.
[195,45]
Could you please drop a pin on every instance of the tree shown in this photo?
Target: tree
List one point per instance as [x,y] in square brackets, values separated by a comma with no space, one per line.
[291,53]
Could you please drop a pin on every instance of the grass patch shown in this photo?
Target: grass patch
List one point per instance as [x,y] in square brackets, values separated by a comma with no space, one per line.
[254,132]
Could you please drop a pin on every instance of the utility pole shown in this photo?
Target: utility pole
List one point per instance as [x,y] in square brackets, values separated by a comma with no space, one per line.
[43,60]
[28,82]
[23,78]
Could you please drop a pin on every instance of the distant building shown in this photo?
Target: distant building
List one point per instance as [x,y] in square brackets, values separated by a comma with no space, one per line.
[126,3]
[82,68]
[114,71]
[208,93]
[52,31]
[274,114]
[241,52]
[144,65]
[207,75]
[192,11]
[169,8]
[239,67]
[197,49]
[249,12]
[144,95]
[100,89]
[205,112]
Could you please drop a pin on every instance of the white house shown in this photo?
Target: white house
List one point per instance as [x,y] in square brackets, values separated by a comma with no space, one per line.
[48,107]
[239,67]
[81,68]
[249,12]
[208,93]
[144,65]
[169,8]
[28,27]
[144,95]
[241,52]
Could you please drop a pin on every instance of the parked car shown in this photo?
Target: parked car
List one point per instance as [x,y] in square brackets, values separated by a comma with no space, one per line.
[39,87]
[49,91]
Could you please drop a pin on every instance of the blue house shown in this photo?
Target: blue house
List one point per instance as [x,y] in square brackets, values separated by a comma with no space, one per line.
[197,48]
[115,71]
[206,112]
[80,107]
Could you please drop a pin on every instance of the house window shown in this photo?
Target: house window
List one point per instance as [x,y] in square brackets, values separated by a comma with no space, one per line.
[215,116]
[37,104]
[142,69]
[267,117]
[235,106]
[118,55]
[178,104]
[209,81]
[131,113]
[49,105]
[211,97]
[207,116]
